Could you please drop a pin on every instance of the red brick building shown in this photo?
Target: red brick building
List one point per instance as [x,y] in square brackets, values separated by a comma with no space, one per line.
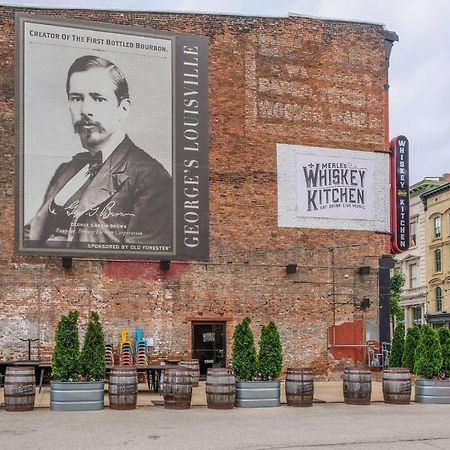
[293,80]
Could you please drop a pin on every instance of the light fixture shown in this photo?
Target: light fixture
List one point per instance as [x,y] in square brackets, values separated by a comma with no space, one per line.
[364,270]
[365,303]
[291,268]
[164,264]
[66,262]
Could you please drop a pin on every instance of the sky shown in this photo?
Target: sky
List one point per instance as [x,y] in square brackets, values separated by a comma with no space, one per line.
[419,74]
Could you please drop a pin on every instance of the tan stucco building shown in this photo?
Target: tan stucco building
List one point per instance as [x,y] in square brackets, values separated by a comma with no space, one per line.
[437,253]
[412,263]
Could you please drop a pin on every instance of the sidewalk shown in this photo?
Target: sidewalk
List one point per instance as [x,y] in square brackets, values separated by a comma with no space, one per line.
[326,426]
[324,391]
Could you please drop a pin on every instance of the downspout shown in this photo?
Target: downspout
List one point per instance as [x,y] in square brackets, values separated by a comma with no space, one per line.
[385,262]
[389,38]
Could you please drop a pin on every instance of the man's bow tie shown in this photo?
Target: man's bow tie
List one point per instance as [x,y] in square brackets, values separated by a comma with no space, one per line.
[95,162]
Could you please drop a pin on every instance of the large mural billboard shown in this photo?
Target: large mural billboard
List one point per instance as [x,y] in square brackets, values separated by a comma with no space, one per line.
[112,147]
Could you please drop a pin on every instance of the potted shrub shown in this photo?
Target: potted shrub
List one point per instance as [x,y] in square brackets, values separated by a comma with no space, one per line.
[270,360]
[428,364]
[397,348]
[397,380]
[78,379]
[92,357]
[411,341]
[444,339]
[256,375]
[270,357]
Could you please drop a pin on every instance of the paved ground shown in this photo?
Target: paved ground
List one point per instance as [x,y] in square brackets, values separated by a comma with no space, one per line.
[328,424]
[325,425]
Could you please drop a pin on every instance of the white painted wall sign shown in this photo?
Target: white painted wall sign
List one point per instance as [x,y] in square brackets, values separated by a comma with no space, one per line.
[332,188]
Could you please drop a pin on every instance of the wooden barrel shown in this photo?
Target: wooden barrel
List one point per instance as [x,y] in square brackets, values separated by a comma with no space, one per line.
[220,388]
[357,385]
[20,388]
[123,387]
[171,362]
[177,389]
[397,385]
[194,366]
[299,386]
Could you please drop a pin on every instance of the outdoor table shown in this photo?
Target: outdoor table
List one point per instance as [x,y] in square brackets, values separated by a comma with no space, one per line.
[43,367]
[155,370]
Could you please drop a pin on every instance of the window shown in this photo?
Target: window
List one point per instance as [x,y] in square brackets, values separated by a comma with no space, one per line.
[438,298]
[417,313]
[437,226]
[413,276]
[413,233]
[438,260]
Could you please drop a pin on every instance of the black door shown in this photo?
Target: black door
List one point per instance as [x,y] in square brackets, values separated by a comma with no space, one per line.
[209,344]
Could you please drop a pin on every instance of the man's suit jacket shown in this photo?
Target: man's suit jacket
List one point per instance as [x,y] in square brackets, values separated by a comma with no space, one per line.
[130,200]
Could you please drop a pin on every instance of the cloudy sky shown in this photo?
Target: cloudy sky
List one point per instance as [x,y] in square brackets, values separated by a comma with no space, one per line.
[420,61]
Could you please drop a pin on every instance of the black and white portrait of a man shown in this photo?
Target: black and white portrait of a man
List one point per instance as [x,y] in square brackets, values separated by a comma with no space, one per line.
[113,191]
[98,146]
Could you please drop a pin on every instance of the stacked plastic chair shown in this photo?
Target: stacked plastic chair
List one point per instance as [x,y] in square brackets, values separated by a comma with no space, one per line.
[125,349]
[109,355]
[140,345]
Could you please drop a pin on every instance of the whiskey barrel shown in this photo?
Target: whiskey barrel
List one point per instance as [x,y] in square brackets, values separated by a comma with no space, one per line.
[357,385]
[396,385]
[20,388]
[177,389]
[123,387]
[299,386]
[171,362]
[194,366]
[220,388]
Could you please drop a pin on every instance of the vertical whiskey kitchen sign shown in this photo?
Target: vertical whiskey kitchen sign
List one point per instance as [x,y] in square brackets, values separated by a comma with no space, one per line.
[400,194]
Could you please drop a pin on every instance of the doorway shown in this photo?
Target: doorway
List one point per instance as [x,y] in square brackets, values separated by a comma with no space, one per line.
[209,344]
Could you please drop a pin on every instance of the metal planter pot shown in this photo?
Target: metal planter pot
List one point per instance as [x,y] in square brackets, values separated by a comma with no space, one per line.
[433,391]
[77,396]
[257,394]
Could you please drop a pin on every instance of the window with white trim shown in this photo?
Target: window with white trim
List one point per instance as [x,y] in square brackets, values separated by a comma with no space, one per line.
[438,298]
[437,226]
[438,260]
[417,314]
[413,233]
[413,282]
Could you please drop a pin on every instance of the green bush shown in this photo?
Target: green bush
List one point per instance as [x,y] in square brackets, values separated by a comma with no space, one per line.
[397,347]
[444,339]
[412,339]
[244,358]
[428,354]
[270,357]
[65,361]
[92,358]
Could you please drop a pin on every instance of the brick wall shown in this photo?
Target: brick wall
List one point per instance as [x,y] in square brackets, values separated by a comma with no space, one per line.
[289,80]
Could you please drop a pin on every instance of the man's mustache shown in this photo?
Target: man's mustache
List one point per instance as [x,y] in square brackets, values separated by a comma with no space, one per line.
[80,124]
